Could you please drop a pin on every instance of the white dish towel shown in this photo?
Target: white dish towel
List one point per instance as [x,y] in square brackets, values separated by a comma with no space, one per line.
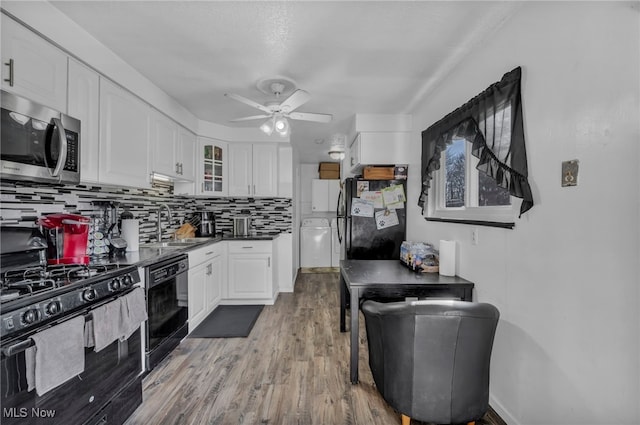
[58,355]
[134,312]
[105,326]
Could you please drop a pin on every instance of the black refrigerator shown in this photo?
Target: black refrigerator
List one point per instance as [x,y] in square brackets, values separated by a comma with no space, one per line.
[372,230]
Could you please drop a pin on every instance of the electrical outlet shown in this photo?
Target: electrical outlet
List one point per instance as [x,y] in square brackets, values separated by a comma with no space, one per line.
[570,173]
[474,236]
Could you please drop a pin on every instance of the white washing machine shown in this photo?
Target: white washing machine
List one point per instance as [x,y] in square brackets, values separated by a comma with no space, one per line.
[335,244]
[315,242]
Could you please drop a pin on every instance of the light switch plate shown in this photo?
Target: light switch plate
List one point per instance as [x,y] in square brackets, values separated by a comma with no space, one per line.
[570,173]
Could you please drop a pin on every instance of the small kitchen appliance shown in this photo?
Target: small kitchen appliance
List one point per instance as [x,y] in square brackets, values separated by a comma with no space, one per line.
[241,225]
[207,224]
[67,236]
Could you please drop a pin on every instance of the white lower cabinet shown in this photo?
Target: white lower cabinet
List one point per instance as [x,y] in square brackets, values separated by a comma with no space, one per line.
[197,310]
[251,269]
[206,276]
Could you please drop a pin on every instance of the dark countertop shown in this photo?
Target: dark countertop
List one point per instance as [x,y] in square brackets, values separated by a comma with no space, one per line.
[262,237]
[146,256]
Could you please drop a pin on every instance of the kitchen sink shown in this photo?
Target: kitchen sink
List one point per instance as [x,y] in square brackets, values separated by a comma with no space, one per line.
[176,243]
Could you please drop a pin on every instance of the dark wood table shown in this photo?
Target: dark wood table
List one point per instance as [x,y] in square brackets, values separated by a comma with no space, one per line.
[389,279]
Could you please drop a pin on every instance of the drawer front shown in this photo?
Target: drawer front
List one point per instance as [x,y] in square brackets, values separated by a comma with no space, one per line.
[200,255]
[249,247]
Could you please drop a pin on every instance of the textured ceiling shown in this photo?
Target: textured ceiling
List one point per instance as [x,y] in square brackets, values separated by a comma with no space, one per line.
[352,57]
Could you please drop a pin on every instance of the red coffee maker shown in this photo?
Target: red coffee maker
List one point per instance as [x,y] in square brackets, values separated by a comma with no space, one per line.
[67,236]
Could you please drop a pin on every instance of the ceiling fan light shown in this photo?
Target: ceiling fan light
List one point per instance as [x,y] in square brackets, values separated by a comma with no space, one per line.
[281,125]
[267,126]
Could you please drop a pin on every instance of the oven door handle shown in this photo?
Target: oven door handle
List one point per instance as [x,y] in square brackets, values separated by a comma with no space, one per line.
[17,348]
[62,139]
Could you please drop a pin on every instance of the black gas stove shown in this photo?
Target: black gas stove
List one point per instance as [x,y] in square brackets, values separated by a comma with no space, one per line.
[33,295]
[35,298]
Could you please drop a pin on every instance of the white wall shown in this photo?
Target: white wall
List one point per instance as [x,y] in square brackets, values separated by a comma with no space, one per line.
[566,279]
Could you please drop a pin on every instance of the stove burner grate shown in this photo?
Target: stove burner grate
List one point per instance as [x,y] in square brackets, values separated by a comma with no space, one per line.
[36,279]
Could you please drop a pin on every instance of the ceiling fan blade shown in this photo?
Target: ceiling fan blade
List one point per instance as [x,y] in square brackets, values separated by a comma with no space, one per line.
[310,116]
[253,117]
[298,98]
[248,102]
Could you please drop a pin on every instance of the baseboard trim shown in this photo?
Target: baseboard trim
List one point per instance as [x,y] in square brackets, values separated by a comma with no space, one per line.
[501,412]
[493,416]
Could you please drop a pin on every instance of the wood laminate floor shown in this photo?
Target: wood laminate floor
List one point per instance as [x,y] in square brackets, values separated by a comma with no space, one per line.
[292,369]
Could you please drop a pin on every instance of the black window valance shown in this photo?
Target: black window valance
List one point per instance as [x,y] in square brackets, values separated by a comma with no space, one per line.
[484,121]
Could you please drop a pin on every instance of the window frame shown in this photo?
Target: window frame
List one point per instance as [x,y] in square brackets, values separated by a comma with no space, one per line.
[471,213]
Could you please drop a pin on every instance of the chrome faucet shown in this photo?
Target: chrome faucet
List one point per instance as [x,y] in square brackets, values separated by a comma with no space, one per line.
[159,228]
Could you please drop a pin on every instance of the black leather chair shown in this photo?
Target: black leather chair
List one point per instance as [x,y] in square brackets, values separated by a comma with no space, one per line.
[430,358]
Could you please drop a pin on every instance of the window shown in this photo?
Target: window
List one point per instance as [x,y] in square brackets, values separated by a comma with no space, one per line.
[474,161]
[462,192]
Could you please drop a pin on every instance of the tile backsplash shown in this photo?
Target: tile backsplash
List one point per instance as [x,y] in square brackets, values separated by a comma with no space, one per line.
[22,203]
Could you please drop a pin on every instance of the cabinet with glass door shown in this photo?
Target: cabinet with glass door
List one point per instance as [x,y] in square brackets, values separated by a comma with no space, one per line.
[213,173]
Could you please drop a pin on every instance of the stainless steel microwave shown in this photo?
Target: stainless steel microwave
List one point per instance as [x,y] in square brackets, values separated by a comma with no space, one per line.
[38,143]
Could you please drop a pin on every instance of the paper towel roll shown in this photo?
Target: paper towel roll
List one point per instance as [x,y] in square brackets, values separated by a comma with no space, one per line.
[447,258]
[130,233]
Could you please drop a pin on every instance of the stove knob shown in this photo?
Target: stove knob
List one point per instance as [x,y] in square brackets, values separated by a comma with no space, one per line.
[115,284]
[127,280]
[30,316]
[89,294]
[53,308]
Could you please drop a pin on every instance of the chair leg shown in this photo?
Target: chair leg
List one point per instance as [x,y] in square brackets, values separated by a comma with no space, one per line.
[406,420]
[471,423]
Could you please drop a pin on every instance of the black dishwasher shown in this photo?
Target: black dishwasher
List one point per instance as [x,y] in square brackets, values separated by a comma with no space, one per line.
[167,325]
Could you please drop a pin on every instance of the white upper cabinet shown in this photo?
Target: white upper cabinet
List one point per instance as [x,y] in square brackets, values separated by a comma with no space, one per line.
[186,153]
[84,104]
[380,148]
[164,136]
[240,169]
[265,170]
[253,169]
[32,67]
[124,137]
[211,167]
[285,171]
[324,195]
[172,148]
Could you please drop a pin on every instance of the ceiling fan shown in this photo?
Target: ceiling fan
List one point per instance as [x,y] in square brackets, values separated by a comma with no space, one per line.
[276,113]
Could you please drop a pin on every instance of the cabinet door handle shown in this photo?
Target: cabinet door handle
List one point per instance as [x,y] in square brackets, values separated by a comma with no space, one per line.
[10,79]
[268,261]
[209,269]
[202,187]
[208,253]
[254,189]
[249,189]
[181,172]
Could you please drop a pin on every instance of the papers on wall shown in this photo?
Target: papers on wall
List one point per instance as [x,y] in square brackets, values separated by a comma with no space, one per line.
[361,208]
[386,218]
